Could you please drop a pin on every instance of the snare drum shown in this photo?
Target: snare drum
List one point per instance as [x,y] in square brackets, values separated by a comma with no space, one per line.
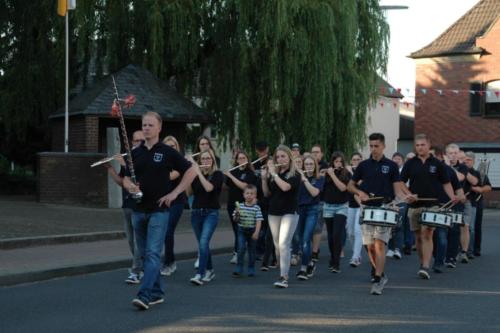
[432,218]
[379,216]
[457,218]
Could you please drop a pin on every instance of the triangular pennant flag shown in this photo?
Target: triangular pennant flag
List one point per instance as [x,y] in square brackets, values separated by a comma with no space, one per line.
[395,104]
[382,90]
[407,91]
[488,93]
[439,91]
[399,90]
[456,92]
[382,104]
[497,93]
[472,92]
[424,91]
[391,90]
[480,92]
[407,104]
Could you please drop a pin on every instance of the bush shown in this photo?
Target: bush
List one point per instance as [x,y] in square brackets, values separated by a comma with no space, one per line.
[19,181]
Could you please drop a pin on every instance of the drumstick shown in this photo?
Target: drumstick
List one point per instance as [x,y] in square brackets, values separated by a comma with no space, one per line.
[373,198]
[196,154]
[426,199]
[105,160]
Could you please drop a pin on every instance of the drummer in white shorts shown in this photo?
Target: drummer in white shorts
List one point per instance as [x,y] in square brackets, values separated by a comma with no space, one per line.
[379,177]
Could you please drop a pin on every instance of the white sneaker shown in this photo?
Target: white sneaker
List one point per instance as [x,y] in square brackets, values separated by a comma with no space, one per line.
[295,260]
[133,279]
[397,254]
[390,254]
[197,280]
[197,263]
[168,270]
[234,259]
[209,275]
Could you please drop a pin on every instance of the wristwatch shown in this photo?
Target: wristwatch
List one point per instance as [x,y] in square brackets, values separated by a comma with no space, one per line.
[274,175]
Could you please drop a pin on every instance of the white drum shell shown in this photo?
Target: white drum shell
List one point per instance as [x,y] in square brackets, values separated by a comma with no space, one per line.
[379,216]
[435,219]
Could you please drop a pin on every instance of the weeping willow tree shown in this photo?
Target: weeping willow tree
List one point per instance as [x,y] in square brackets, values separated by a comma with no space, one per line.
[279,70]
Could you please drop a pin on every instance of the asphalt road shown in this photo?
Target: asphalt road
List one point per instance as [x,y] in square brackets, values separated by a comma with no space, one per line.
[466,299]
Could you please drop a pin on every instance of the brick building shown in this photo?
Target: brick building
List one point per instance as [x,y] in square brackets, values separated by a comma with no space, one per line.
[457,91]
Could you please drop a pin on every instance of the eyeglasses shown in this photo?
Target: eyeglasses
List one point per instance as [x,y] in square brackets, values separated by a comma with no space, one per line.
[206,158]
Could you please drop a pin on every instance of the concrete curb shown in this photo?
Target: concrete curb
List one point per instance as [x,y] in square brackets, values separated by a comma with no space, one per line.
[58,272]
[17,243]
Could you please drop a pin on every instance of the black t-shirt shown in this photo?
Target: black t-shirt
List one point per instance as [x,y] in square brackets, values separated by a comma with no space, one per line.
[455,184]
[425,177]
[331,193]
[467,186]
[234,192]
[462,168]
[181,198]
[204,199]
[280,202]
[484,182]
[378,177]
[323,165]
[152,169]
[262,200]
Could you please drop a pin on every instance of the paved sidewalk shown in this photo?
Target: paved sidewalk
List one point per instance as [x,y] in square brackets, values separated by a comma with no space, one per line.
[48,262]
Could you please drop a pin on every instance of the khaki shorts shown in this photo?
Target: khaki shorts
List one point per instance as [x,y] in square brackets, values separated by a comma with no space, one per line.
[372,232]
[414,217]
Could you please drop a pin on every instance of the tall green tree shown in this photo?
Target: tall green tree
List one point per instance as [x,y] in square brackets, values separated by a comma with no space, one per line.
[280,70]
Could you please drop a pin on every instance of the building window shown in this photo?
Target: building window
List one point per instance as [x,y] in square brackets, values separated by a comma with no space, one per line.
[476,100]
[492,100]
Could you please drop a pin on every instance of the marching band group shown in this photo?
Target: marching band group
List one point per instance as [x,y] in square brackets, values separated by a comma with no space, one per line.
[279,203]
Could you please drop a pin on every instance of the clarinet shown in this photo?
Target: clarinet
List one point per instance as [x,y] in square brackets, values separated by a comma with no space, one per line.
[117,109]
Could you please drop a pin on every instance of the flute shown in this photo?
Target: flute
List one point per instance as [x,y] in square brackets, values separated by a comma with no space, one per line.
[276,165]
[105,160]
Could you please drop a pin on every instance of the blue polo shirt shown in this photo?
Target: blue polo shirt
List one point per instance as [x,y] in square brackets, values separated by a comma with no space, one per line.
[305,198]
[377,177]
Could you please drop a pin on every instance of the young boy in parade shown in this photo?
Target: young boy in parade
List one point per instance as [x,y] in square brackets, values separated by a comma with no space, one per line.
[249,218]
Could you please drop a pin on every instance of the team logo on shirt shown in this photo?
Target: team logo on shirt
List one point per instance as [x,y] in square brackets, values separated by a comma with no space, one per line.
[432,169]
[385,169]
[158,157]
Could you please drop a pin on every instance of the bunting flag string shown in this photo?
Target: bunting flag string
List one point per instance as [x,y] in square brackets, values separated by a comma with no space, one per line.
[441,92]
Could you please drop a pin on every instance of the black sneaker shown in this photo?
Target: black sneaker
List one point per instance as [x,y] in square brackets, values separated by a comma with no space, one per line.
[372,275]
[236,274]
[302,275]
[450,264]
[335,269]
[281,283]
[264,268]
[437,269]
[477,253]
[424,273]
[315,256]
[310,270]
[140,304]
[274,264]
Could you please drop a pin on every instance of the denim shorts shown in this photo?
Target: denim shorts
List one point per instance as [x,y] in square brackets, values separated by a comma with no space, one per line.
[330,210]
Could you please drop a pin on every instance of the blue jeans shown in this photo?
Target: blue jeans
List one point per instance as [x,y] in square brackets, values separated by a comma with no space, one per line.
[204,222]
[245,241]
[408,235]
[297,237]
[440,238]
[150,229]
[234,225]
[453,242]
[308,217]
[175,215]
[397,238]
